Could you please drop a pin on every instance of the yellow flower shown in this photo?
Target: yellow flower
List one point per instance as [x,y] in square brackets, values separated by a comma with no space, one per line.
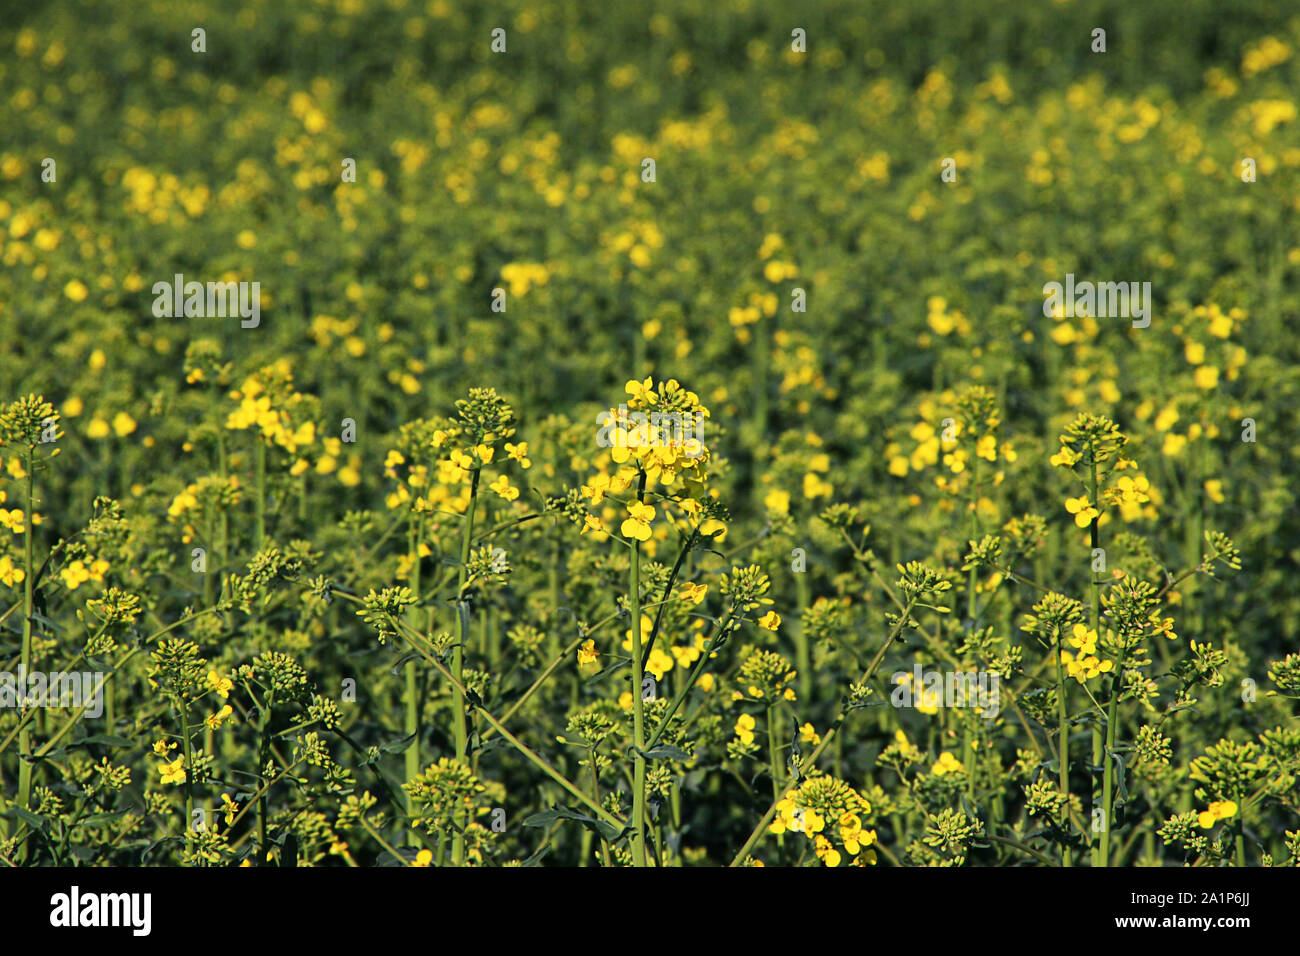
[423,858]
[638,524]
[947,763]
[1065,458]
[815,487]
[714,527]
[123,424]
[1214,490]
[519,453]
[221,685]
[771,620]
[230,808]
[685,656]
[173,772]
[830,856]
[777,501]
[693,593]
[215,720]
[11,574]
[13,519]
[1206,377]
[1085,666]
[1133,489]
[76,290]
[660,663]
[502,487]
[74,575]
[808,735]
[1218,810]
[1223,809]
[905,746]
[1083,511]
[745,728]
[1084,638]
[587,652]
[642,392]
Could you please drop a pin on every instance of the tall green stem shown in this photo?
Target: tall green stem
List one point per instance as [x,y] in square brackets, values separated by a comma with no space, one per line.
[458,653]
[1108,773]
[1099,753]
[412,712]
[1063,744]
[638,703]
[802,650]
[25,737]
[260,504]
[189,760]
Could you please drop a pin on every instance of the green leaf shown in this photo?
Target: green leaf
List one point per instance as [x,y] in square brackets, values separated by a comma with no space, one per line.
[544,817]
[611,669]
[398,746]
[665,752]
[33,820]
[106,740]
[96,820]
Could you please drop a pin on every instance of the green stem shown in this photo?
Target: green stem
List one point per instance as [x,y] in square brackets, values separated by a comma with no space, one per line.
[1063,742]
[260,503]
[773,752]
[638,703]
[458,652]
[25,737]
[700,664]
[412,713]
[378,838]
[595,795]
[1094,616]
[263,804]
[189,761]
[1108,773]
[802,651]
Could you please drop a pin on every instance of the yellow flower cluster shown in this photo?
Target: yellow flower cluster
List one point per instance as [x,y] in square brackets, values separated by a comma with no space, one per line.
[663,440]
[267,403]
[654,438]
[947,764]
[829,813]
[943,321]
[79,572]
[523,276]
[1086,665]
